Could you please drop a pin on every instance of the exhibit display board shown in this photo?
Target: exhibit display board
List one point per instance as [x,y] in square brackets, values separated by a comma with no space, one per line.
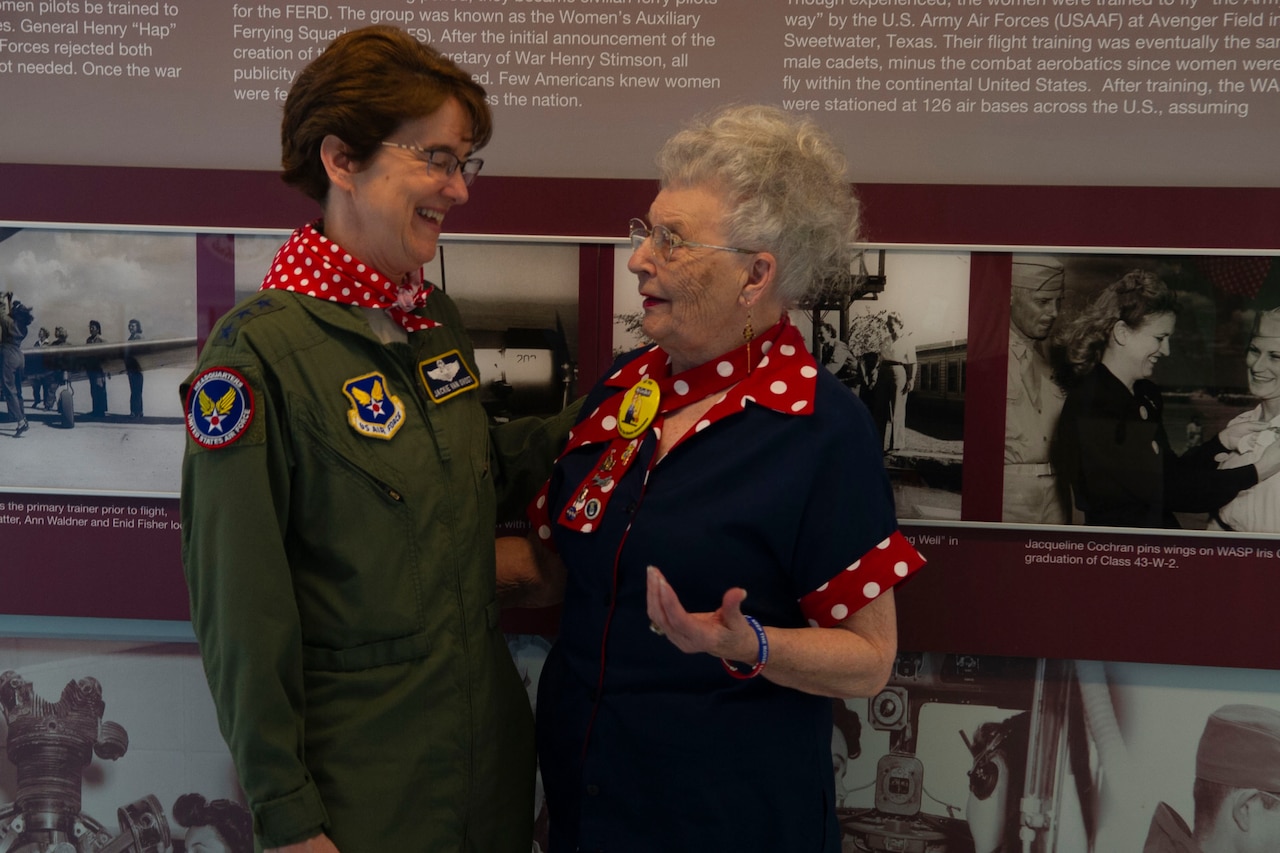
[1101,136]
[1068,92]
[977,130]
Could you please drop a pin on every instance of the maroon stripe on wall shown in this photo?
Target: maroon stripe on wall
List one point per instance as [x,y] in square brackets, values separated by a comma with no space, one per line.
[595,313]
[954,214]
[215,280]
[986,376]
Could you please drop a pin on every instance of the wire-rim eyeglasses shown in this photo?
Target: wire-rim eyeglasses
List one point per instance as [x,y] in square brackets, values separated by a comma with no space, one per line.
[665,242]
[444,160]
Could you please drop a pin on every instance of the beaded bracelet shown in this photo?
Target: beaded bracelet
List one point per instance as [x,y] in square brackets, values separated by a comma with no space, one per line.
[763,655]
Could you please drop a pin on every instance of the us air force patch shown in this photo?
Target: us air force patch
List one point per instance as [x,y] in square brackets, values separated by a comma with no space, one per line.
[219,407]
[447,376]
[374,412]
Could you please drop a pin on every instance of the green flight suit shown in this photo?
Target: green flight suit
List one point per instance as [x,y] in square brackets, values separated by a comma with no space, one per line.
[343,586]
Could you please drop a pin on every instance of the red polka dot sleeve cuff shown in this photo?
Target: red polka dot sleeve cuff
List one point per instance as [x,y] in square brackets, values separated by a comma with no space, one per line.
[880,568]
[540,517]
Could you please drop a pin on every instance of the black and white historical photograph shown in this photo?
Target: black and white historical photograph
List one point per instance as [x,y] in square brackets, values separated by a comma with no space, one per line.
[97,329]
[1144,391]
[895,332]
[897,335]
[118,743]
[957,754]
[984,754]
[520,303]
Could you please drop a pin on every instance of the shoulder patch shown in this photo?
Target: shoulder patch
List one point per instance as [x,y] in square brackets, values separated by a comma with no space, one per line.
[219,407]
[447,375]
[375,412]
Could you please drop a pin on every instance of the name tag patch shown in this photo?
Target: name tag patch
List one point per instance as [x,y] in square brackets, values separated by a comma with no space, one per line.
[447,376]
[219,407]
[374,412]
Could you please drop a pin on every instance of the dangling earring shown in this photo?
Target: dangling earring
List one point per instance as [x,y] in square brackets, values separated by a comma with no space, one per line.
[747,334]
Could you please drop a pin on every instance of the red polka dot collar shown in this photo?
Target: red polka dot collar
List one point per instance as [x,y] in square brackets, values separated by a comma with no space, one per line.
[783,379]
[312,264]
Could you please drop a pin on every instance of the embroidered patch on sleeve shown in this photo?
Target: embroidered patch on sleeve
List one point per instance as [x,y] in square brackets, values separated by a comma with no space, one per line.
[446,376]
[375,412]
[219,407]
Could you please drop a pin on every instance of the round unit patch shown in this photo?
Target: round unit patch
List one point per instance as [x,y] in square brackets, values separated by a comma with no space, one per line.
[219,407]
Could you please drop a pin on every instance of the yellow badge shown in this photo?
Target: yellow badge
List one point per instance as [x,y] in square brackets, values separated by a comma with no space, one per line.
[639,408]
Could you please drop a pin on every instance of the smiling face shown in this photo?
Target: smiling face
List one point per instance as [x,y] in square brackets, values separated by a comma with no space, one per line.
[1262,359]
[389,210]
[691,302]
[1140,348]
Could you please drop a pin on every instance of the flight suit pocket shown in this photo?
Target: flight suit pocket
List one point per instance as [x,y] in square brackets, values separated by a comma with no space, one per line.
[367,656]
[355,553]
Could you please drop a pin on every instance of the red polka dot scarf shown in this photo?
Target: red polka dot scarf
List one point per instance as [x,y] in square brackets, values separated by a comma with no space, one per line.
[312,264]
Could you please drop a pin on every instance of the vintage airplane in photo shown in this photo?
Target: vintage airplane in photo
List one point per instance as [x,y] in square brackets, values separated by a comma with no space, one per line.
[521,371]
[52,368]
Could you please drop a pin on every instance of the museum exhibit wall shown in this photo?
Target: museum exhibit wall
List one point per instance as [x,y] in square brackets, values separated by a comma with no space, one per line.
[137,181]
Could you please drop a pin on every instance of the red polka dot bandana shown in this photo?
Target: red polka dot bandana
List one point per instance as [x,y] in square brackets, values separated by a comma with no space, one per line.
[312,264]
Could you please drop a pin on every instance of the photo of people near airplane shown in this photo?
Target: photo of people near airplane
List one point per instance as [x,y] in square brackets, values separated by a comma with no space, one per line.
[99,330]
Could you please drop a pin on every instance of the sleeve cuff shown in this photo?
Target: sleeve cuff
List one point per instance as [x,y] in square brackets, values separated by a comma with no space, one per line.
[890,561]
[540,518]
[289,819]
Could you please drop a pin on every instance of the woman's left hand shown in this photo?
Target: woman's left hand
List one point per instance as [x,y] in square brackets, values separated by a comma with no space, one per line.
[723,633]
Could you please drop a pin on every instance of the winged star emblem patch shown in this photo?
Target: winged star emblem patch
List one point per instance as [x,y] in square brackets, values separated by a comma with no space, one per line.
[374,412]
[447,375]
[219,407]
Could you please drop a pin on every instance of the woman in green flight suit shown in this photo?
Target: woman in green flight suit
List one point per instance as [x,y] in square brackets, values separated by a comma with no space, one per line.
[341,484]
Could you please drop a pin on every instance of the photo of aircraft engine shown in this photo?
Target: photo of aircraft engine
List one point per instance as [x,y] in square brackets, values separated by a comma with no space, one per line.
[1018,763]
[52,744]
[524,372]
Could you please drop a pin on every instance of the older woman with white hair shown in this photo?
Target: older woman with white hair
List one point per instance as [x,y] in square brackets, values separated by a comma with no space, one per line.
[725,521]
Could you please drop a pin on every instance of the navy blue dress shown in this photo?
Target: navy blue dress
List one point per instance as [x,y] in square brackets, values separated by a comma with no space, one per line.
[645,748]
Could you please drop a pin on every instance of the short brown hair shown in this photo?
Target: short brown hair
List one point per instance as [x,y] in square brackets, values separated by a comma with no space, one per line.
[364,86]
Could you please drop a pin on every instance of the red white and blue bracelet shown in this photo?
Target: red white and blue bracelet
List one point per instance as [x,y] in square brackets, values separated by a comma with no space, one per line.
[762,656]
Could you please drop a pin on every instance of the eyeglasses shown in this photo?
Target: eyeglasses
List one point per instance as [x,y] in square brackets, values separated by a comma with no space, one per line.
[444,160]
[665,242]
